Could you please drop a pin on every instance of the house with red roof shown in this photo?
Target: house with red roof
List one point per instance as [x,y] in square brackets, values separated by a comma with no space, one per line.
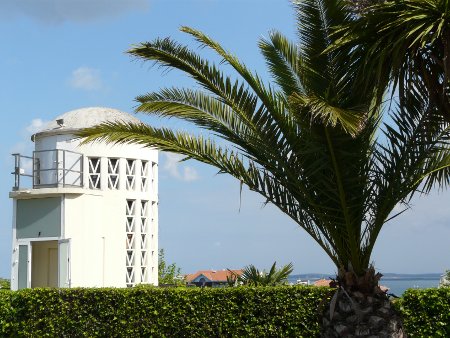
[212,278]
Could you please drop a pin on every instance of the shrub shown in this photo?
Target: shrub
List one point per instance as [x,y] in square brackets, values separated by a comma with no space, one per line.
[7,316]
[143,312]
[196,312]
[426,313]
[5,284]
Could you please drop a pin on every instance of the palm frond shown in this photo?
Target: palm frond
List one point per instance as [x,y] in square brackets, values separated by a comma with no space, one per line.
[273,104]
[252,276]
[404,44]
[168,53]
[266,95]
[351,121]
[309,144]
[284,61]
[240,100]
[413,158]
[198,148]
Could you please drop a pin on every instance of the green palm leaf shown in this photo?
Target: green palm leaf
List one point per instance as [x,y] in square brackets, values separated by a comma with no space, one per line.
[311,144]
[252,276]
[404,44]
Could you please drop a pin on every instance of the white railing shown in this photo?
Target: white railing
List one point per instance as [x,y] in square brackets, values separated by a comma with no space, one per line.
[48,168]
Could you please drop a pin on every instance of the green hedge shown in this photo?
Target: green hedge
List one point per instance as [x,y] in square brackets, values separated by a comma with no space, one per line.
[426,313]
[155,312]
[6,314]
[228,312]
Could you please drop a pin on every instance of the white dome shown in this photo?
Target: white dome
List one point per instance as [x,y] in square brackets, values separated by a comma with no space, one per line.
[74,120]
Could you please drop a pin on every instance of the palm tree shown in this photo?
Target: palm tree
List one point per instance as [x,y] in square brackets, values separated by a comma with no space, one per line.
[308,143]
[405,44]
[252,276]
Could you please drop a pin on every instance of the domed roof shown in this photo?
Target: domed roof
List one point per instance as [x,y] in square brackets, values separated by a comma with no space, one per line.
[74,120]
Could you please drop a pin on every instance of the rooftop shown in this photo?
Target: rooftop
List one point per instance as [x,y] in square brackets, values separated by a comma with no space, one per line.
[83,118]
[213,275]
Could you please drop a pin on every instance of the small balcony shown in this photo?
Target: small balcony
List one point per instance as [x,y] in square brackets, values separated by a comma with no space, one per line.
[54,168]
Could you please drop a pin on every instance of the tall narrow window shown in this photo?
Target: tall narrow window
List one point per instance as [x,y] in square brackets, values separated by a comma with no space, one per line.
[154,172]
[131,174]
[154,210]
[113,173]
[130,217]
[144,245]
[94,172]
[130,242]
[153,236]
[144,275]
[144,176]
[144,217]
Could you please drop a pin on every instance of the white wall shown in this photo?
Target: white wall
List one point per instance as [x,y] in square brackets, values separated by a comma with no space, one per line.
[95,220]
[84,216]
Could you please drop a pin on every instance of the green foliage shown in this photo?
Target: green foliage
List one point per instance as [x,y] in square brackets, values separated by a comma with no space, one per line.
[308,142]
[196,312]
[445,280]
[5,284]
[7,314]
[404,44]
[426,313]
[162,312]
[254,277]
[168,274]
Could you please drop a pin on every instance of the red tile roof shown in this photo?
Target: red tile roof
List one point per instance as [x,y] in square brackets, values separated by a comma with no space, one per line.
[322,282]
[212,275]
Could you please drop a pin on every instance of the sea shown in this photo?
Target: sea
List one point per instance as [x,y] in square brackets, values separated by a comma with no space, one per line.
[397,283]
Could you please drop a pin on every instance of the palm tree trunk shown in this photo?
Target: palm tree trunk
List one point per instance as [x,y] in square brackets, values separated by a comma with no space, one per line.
[359,308]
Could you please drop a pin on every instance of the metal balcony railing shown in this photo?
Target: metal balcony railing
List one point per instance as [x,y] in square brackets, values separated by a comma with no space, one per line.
[47,169]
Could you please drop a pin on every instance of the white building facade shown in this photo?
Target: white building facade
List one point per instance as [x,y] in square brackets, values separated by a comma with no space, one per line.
[89,215]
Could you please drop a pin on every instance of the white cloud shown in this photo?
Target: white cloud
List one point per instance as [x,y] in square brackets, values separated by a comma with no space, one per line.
[25,146]
[86,79]
[189,174]
[19,148]
[34,126]
[78,11]
[175,169]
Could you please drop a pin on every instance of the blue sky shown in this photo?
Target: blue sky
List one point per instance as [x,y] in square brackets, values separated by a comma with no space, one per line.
[59,55]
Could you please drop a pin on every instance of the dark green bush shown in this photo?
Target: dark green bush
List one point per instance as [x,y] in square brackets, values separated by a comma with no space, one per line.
[140,312]
[426,313]
[7,316]
[5,284]
[195,312]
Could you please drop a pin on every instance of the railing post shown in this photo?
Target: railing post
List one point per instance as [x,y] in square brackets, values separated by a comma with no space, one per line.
[16,172]
[82,171]
[36,170]
[33,170]
[64,168]
[57,167]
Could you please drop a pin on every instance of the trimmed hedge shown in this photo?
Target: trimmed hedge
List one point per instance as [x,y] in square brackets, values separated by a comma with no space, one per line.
[426,313]
[7,316]
[158,312]
[227,312]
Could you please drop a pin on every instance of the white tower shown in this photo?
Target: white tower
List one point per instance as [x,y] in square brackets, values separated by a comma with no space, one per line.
[89,214]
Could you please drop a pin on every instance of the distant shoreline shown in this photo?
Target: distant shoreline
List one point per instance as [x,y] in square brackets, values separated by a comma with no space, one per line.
[386,276]
[396,282]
